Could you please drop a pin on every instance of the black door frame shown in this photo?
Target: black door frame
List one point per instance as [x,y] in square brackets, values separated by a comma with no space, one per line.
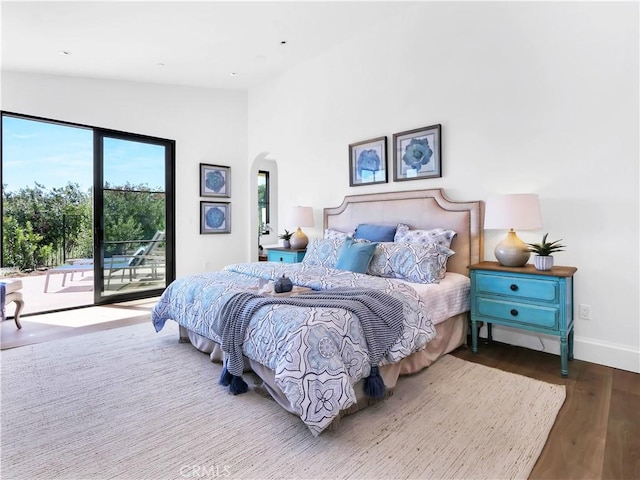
[99,132]
[98,219]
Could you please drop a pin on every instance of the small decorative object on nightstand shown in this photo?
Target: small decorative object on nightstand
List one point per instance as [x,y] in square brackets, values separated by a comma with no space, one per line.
[516,211]
[525,298]
[543,250]
[285,255]
[286,238]
[300,217]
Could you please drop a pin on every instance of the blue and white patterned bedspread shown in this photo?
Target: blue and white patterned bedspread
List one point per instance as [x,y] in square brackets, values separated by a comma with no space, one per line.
[317,354]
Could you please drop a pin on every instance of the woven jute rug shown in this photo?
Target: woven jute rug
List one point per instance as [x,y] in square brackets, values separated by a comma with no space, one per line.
[129,403]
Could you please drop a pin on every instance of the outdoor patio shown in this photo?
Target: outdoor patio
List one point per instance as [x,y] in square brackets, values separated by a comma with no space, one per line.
[77,290]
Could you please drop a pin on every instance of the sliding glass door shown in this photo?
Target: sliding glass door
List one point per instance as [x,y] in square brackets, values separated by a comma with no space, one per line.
[132,208]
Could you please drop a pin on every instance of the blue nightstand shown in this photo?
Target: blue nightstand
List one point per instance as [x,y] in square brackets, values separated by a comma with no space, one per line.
[525,298]
[285,255]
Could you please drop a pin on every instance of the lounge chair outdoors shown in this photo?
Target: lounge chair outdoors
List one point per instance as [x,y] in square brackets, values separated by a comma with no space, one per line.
[77,266]
[146,256]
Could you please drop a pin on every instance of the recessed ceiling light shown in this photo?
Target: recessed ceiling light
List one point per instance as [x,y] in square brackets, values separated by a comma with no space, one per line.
[233,74]
[283,42]
[65,52]
[160,64]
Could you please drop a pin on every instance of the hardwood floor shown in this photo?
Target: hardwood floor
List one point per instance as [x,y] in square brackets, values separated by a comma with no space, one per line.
[597,432]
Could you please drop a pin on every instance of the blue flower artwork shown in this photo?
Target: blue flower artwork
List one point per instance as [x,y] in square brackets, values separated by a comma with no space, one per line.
[417,153]
[214,218]
[368,162]
[215,181]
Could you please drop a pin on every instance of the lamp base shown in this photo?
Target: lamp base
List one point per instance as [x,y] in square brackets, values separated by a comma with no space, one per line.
[512,252]
[299,240]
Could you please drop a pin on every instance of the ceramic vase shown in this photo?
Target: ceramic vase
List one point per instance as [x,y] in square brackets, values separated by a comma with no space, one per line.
[286,244]
[543,262]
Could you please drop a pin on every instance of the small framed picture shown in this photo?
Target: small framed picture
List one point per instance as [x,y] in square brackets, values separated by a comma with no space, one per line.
[215,181]
[416,154]
[215,217]
[368,162]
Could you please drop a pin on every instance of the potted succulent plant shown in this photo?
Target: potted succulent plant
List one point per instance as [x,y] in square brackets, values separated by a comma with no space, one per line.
[543,250]
[285,237]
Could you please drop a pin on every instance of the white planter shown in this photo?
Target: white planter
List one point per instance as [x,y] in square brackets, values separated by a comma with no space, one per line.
[543,263]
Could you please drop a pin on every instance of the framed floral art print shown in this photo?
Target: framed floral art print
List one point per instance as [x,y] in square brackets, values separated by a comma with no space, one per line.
[215,181]
[215,217]
[368,162]
[417,154]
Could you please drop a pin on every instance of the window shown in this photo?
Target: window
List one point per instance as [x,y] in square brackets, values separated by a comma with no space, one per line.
[263,202]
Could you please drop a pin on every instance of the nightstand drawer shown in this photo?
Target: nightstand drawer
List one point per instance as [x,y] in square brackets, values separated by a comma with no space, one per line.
[518,314]
[283,256]
[517,287]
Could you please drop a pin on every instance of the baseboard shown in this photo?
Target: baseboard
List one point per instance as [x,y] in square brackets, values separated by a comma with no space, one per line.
[610,354]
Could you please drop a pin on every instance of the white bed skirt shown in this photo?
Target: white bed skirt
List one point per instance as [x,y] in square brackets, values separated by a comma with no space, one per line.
[450,334]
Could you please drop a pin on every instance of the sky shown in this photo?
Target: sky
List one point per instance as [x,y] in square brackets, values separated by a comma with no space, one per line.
[54,155]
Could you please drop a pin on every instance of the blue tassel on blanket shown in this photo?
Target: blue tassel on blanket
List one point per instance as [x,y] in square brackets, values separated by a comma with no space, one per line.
[225,376]
[236,384]
[373,384]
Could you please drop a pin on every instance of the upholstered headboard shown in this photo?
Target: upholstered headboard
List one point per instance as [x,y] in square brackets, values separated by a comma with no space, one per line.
[420,209]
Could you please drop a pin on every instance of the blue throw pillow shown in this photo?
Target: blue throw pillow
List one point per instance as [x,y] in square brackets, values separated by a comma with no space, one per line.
[376,233]
[355,256]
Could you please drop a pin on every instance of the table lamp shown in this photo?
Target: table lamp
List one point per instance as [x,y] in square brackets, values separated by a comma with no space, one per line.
[515,211]
[300,217]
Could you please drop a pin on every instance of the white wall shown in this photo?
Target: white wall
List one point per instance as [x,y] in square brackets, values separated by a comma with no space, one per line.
[209,126]
[532,97]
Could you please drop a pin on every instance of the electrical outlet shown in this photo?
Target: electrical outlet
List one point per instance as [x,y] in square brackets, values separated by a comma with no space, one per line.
[585,312]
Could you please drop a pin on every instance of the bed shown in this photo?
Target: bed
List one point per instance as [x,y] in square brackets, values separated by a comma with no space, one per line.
[314,360]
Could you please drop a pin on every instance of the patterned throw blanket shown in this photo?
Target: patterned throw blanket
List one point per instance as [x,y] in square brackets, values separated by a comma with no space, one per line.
[380,315]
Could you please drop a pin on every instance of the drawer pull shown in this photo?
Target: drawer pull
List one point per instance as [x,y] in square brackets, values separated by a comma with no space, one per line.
[514,287]
[281,259]
[514,312]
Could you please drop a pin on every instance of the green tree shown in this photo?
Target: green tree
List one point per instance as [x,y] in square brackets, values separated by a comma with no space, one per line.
[22,246]
[38,222]
[55,215]
[132,214]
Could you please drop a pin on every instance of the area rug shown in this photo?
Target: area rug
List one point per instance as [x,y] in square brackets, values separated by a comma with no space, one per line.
[129,403]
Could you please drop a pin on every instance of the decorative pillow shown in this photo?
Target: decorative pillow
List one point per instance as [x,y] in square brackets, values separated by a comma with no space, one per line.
[375,233]
[355,256]
[332,234]
[322,252]
[415,262]
[436,235]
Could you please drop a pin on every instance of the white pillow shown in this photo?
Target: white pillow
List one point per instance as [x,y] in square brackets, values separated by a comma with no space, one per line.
[435,235]
[332,234]
[323,252]
[415,262]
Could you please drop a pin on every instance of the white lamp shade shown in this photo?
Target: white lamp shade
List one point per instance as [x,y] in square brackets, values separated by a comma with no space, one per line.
[300,217]
[518,211]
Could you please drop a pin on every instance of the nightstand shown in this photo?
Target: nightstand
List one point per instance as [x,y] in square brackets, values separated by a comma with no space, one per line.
[524,298]
[285,255]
